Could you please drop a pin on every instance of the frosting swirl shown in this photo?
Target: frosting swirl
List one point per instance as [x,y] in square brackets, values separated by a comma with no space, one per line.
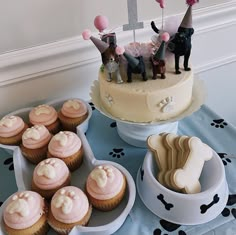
[104,182]
[74,108]
[50,173]
[69,204]
[64,144]
[43,115]
[23,209]
[35,137]
[11,125]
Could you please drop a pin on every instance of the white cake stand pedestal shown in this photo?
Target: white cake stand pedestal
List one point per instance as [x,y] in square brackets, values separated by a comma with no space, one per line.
[136,134]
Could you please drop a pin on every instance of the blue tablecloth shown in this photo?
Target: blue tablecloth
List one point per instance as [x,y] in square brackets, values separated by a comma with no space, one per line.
[106,144]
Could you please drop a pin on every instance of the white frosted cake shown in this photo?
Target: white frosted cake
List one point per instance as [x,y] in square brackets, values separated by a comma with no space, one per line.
[147,101]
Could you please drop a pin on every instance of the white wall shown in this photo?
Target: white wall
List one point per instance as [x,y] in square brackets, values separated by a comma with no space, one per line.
[220,83]
[67,68]
[28,23]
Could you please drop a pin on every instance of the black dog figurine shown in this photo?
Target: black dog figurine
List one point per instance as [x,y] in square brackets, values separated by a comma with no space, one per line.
[181,45]
[135,66]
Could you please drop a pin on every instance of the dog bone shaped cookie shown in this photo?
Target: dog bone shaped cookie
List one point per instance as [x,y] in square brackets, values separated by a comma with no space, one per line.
[168,141]
[187,177]
[155,144]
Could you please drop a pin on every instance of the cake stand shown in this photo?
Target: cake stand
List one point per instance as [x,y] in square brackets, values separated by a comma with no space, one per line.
[136,133]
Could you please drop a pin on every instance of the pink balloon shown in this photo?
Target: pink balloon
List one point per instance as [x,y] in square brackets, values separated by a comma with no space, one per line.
[161,2]
[101,22]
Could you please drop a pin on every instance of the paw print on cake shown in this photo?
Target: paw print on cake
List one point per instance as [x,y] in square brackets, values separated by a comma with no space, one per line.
[109,100]
[32,133]
[117,152]
[101,175]
[169,227]
[141,173]
[47,168]
[7,121]
[219,123]
[42,109]
[19,204]
[167,105]
[224,158]
[9,163]
[228,210]
[64,200]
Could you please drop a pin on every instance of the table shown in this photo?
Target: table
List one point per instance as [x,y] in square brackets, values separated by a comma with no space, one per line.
[106,144]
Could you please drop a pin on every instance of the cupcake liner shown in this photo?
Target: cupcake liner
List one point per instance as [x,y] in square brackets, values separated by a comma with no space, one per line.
[47,194]
[54,127]
[34,155]
[14,140]
[74,161]
[62,228]
[70,124]
[109,204]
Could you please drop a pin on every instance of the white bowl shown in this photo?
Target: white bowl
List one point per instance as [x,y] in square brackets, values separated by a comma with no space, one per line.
[188,209]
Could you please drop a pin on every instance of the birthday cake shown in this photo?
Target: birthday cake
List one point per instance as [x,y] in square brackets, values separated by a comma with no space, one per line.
[145,82]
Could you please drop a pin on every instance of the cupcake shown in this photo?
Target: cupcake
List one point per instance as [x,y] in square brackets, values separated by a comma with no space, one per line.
[72,113]
[69,207]
[34,144]
[105,187]
[67,146]
[26,214]
[45,115]
[11,130]
[49,176]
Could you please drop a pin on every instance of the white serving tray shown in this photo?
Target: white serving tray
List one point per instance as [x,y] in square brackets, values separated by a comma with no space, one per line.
[101,223]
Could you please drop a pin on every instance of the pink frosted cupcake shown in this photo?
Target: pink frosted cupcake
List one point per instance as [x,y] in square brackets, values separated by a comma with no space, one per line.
[49,176]
[69,207]
[72,113]
[34,144]
[25,214]
[105,187]
[45,115]
[11,130]
[67,146]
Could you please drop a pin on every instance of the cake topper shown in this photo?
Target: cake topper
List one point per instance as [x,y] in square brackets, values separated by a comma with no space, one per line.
[156,38]
[158,58]
[133,18]
[180,43]
[110,58]
[135,64]
[101,23]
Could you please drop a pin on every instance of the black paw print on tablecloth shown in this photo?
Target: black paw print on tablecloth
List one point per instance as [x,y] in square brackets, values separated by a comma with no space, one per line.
[9,163]
[92,105]
[219,123]
[113,125]
[117,152]
[224,158]
[231,201]
[169,227]
[141,173]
